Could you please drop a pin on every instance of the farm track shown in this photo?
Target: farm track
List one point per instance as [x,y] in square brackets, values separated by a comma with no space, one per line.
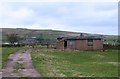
[20,65]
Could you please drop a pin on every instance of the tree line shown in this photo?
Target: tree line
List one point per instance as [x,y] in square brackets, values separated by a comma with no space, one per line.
[15,40]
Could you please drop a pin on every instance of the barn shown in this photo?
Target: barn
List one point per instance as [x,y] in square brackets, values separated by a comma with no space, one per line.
[80,43]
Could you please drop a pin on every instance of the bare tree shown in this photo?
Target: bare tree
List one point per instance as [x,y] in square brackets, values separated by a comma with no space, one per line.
[13,38]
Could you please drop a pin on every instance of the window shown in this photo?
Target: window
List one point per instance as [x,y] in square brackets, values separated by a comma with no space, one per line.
[71,43]
[90,42]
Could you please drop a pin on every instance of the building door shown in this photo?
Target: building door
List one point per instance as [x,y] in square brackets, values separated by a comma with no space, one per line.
[65,44]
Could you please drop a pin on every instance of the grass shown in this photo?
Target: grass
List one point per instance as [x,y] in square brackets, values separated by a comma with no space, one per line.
[17,67]
[0,58]
[57,63]
[6,51]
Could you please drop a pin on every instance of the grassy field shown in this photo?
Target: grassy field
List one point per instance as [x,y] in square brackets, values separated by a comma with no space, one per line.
[0,58]
[55,63]
[6,51]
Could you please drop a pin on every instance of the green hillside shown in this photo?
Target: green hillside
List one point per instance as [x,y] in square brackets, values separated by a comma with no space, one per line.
[47,34]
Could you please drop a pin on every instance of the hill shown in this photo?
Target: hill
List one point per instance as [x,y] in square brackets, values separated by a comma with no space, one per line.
[47,34]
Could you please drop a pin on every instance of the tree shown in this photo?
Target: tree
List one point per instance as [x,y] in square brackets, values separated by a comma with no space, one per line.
[41,39]
[13,38]
[47,43]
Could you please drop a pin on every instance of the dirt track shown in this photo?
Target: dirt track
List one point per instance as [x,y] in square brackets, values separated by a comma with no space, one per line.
[20,65]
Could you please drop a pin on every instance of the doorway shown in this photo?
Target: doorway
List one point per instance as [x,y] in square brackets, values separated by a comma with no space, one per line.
[65,44]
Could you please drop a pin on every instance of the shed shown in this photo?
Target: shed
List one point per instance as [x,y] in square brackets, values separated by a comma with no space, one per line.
[80,43]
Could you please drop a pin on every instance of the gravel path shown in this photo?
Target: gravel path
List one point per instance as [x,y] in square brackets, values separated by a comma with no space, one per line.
[20,65]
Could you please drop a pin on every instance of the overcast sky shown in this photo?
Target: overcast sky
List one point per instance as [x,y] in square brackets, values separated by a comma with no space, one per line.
[94,17]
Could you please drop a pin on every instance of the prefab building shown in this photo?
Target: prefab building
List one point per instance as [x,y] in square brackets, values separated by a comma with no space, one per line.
[80,43]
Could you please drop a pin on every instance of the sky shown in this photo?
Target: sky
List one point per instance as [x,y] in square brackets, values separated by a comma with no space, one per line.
[87,17]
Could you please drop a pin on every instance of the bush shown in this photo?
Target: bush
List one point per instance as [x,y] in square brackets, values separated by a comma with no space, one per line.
[11,45]
[108,46]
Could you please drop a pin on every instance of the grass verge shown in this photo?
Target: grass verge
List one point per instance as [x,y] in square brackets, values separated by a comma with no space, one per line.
[6,51]
[0,58]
